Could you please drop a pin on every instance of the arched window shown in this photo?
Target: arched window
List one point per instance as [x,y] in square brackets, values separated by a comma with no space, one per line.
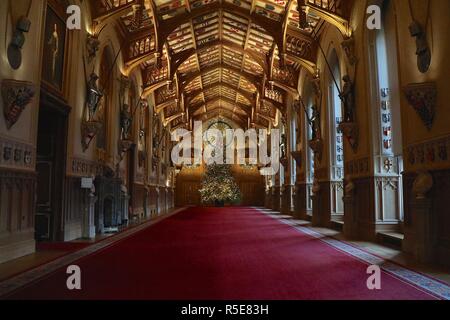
[336,139]
[307,111]
[144,121]
[283,140]
[310,154]
[293,145]
[335,104]
[386,127]
[387,74]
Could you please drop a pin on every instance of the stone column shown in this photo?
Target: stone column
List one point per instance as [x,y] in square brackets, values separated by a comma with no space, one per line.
[423,229]
[267,198]
[170,197]
[319,205]
[300,201]
[350,217]
[297,202]
[166,201]
[89,223]
[101,221]
[146,210]
[276,198]
[421,238]
[316,221]
[286,200]
[158,205]
[124,203]
[271,195]
[126,212]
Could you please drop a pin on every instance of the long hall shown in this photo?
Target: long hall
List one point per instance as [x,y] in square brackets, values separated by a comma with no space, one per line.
[224,149]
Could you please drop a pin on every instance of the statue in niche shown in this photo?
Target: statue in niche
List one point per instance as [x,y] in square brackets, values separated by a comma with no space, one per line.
[125,121]
[54,44]
[316,86]
[423,51]
[348,99]
[314,122]
[315,81]
[93,95]
[283,146]
[155,142]
[92,46]
[163,147]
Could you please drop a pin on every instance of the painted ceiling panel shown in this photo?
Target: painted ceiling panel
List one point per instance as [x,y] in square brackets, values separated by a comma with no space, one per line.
[220,50]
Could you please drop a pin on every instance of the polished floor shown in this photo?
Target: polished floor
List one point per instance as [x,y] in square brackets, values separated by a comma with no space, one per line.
[222,253]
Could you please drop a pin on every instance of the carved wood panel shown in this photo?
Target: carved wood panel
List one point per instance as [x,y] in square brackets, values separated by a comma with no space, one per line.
[17,197]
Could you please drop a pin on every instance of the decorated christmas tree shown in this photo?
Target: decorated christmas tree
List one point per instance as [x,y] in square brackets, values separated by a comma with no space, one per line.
[219,186]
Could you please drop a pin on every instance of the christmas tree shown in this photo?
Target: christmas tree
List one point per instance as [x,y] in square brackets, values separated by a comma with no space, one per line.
[219,186]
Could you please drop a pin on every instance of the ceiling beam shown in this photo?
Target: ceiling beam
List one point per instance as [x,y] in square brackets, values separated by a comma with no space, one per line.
[172,118]
[188,78]
[208,103]
[329,16]
[273,28]
[224,113]
[255,56]
[112,14]
[284,26]
[249,96]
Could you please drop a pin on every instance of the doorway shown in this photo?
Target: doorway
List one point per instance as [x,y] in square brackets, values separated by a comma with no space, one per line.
[50,167]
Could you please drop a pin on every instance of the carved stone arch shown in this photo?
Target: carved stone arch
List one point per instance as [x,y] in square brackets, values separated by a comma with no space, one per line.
[332,49]
[329,15]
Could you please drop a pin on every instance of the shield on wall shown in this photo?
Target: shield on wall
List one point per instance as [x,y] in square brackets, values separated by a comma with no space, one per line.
[422,97]
[16,96]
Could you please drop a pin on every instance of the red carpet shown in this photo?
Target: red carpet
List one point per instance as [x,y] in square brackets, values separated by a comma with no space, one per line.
[226,253]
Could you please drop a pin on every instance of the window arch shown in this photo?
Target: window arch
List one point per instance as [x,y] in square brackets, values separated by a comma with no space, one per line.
[386,125]
[336,138]
[283,141]
[309,101]
[293,146]
[387,95]
[335,114]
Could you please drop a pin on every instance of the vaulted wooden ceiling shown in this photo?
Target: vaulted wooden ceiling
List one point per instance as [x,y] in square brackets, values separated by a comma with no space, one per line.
[235,58]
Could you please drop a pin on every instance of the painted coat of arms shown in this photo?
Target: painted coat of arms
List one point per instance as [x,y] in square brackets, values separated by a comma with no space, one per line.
[16,96]
[422,97]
